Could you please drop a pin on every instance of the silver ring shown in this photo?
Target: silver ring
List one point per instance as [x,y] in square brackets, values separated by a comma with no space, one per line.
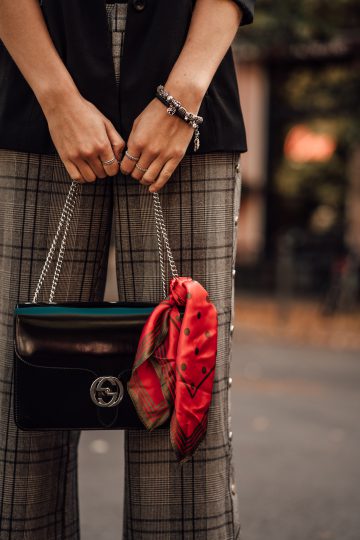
[109,161]
[133,158]
[142,169]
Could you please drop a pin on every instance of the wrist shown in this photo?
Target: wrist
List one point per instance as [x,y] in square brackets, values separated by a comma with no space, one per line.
[52,96]
[189,92]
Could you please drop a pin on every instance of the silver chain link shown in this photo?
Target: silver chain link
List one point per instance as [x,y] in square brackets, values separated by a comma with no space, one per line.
[64,226]
[64,222]
[163,237]
[60,258]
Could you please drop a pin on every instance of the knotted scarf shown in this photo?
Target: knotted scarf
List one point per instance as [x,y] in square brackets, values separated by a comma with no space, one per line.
[174,366]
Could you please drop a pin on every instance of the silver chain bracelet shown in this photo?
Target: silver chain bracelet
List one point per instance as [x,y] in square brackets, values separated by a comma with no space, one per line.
[175,107]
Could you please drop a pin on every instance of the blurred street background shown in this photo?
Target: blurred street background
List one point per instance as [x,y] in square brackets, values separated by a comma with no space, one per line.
[296,345]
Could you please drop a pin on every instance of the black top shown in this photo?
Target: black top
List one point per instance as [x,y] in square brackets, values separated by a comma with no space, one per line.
[155,34]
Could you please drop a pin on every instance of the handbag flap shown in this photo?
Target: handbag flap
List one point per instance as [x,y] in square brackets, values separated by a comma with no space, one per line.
[81,336]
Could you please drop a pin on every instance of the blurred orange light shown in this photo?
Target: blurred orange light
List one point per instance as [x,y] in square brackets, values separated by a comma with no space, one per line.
[302,145]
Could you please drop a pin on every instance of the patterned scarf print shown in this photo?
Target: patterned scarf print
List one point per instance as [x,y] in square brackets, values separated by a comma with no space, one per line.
[174,366]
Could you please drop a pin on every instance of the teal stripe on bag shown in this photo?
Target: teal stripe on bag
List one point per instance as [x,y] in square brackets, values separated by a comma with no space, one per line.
[60,310]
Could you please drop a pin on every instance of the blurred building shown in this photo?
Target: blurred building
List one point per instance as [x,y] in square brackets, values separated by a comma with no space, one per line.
[299,226]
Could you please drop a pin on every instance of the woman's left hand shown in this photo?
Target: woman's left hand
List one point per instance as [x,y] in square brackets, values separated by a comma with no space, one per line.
[160,142]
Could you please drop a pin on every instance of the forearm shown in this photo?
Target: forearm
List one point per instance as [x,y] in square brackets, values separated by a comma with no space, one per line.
[25,35]
[84,138]
[213,27]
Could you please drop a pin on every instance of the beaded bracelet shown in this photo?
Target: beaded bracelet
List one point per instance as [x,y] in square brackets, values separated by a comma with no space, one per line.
[175,107]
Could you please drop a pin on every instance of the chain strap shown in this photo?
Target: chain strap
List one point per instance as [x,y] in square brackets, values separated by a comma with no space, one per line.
[64,223]
[63,228]
[162,237]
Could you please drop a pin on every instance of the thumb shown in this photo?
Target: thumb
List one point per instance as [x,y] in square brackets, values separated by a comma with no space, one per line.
[116,141]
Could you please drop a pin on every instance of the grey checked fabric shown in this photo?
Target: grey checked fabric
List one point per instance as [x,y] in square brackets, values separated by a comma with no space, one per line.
[38,471]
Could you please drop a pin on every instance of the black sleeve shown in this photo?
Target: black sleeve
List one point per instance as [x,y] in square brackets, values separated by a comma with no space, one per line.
[247,7]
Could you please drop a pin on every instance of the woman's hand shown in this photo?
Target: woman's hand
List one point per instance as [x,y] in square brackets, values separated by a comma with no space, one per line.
[159,141]
[84,138]
[82,135]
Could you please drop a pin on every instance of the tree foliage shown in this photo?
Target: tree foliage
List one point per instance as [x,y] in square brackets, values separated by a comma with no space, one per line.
[278,25]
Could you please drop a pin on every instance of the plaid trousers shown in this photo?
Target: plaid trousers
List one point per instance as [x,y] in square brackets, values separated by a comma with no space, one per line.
[38,470]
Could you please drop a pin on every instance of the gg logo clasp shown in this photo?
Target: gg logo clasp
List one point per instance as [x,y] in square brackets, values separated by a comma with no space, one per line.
[109,395]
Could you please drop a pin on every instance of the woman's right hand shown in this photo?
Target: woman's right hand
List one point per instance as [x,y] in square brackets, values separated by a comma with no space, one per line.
[84,138]
[82,135]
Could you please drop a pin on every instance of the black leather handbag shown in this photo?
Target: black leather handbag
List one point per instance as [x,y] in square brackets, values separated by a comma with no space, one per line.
[72,360]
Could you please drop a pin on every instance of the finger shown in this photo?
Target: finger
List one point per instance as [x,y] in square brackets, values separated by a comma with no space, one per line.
[116,141]
[74,172]
[127,164]
[164,176]
[153,171]
[86,171]
[97,167]
[141,167]
[108,161]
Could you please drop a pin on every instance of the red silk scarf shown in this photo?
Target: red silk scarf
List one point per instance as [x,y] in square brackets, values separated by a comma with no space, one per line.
[174,366]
